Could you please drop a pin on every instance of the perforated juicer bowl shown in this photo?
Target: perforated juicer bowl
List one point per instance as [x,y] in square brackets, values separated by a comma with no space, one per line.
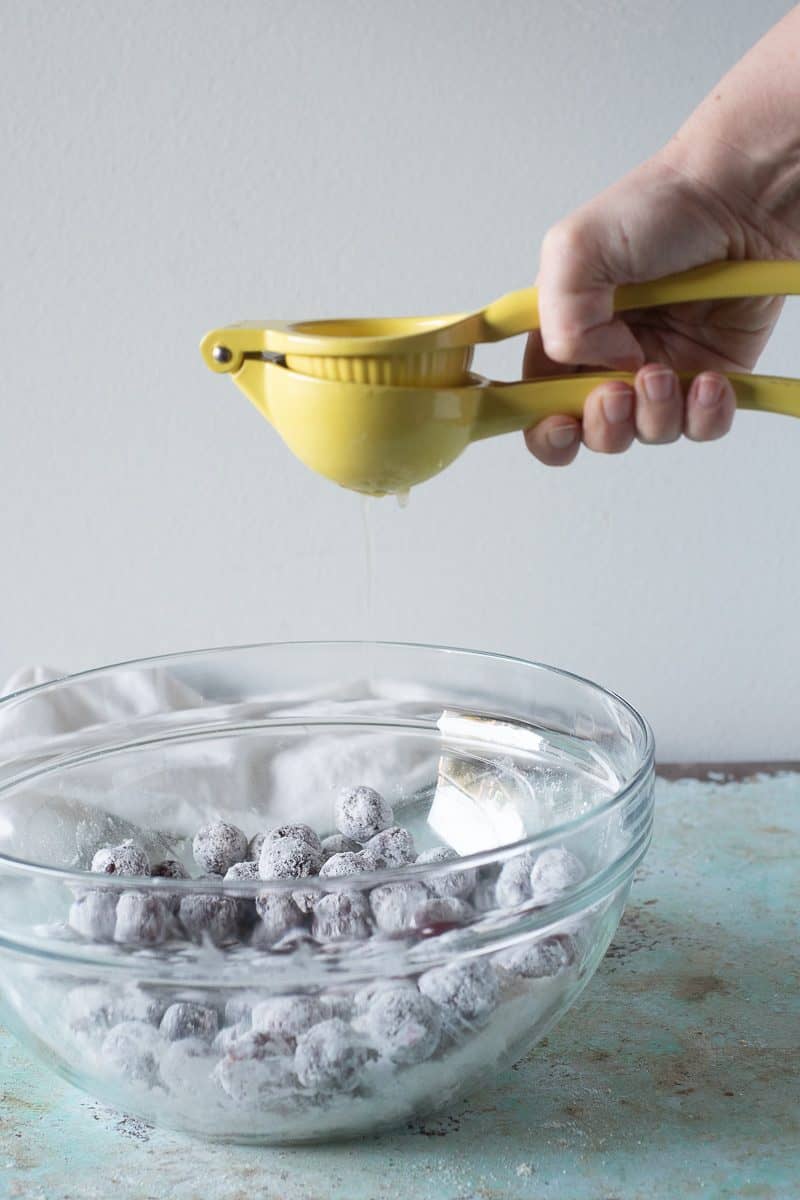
[305,1037]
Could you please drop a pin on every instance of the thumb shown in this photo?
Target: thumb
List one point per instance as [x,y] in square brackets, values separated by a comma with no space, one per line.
[576,300]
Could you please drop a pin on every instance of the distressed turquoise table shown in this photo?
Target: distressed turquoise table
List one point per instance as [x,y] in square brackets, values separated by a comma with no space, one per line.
[677,1075]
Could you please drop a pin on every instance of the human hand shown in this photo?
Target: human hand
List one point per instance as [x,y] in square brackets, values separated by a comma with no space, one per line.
[661,218]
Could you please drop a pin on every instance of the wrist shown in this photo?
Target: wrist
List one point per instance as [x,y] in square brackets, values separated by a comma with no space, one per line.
[754,180]
[742,143]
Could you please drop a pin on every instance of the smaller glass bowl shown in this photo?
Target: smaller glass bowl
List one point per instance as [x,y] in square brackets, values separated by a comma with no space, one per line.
[307,1036]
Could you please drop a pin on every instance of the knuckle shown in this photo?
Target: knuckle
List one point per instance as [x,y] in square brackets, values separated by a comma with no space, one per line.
[565,239]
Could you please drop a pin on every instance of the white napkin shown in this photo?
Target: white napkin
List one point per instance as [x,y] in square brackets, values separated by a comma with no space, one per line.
[252,780]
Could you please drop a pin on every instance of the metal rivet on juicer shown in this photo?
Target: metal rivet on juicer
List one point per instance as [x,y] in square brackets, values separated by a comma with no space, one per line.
[221,354]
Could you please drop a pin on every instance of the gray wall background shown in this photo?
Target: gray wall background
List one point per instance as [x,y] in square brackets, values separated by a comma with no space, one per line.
[170,166]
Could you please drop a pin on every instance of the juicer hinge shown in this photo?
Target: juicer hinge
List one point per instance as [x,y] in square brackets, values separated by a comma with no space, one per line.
[224,355]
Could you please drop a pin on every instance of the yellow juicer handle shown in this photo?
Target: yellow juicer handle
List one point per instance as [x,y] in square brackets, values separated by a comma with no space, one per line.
[225,349]
[518,312]
[510,407]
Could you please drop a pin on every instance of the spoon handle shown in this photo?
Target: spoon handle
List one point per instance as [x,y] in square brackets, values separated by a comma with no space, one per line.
[518,312]
[506,407]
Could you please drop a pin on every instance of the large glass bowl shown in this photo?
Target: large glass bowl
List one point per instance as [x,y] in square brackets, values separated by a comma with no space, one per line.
[303,1036]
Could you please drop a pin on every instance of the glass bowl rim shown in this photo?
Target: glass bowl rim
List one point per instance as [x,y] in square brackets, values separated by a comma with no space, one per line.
[366,879]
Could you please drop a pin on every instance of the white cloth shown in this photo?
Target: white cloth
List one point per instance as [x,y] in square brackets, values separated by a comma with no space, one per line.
[254,778]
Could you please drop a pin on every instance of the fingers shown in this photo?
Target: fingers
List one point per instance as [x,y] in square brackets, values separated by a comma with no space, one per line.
[554,441]
[662,413]
[654,411]
[659,405]
[710,406]
[608,418]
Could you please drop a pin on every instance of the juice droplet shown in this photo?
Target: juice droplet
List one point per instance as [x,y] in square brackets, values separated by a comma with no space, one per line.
[367,505]
[403,498]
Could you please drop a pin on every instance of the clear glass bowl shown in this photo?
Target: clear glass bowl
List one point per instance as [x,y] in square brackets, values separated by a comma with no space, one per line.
[315,1033]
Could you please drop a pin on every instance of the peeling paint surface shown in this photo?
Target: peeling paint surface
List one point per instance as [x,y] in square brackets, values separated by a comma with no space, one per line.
[676,1075]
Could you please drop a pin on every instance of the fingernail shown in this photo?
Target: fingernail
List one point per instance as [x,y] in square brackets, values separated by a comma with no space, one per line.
[658,386]
[562,436]
[617,404]
[708,391]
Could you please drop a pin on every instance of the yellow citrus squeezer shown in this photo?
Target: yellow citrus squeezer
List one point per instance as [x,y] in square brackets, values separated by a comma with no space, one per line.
[381,404]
